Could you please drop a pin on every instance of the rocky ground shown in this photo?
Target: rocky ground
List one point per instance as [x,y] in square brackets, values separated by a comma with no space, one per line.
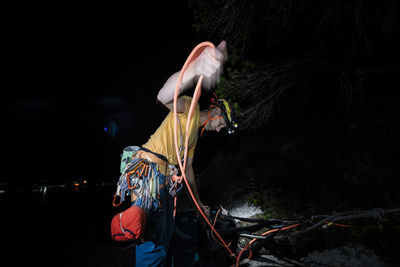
[347,254]
[320,166]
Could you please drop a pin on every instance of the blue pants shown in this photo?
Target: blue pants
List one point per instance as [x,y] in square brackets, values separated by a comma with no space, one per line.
[154,252]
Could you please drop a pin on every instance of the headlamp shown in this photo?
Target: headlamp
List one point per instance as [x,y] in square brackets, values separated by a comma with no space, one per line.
[227,112]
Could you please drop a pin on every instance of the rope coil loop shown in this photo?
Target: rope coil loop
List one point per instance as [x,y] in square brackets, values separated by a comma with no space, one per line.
[196,95]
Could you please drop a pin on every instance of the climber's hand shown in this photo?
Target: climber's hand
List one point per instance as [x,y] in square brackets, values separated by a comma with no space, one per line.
[210,64]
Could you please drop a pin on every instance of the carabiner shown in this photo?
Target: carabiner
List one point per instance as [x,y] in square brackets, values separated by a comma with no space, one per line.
[128,183]
[116,204]
[173,190]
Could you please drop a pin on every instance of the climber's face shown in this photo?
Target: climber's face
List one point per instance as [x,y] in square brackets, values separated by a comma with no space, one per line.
[216,121]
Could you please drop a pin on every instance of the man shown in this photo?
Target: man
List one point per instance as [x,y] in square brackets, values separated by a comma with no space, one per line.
[160,148]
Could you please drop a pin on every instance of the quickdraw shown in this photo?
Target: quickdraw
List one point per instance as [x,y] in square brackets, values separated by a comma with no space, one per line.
[116,204]
[174,181]
[175,185]
[140,180]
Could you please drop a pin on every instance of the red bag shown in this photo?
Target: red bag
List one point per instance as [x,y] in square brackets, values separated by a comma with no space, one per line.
[128,225]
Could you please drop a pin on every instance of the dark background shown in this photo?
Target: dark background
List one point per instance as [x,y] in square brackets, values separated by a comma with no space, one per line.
[68,71]
[71,70]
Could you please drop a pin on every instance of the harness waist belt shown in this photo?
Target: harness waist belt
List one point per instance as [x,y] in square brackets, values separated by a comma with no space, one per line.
[162,157]
[163,164]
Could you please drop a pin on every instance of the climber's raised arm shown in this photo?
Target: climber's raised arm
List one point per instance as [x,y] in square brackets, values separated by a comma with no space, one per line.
[209,63]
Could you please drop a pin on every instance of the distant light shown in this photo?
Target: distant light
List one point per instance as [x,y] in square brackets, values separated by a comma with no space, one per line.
[111,129]
[84,182]
[76,184]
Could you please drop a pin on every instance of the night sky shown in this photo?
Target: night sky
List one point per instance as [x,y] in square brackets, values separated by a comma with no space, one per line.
[69,71]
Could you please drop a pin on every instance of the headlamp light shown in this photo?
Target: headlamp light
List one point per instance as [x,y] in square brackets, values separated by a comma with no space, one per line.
[232,129]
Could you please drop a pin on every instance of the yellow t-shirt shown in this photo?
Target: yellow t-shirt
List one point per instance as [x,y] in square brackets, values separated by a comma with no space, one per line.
[162,141]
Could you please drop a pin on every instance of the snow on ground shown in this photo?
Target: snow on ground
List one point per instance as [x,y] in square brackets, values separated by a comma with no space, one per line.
[244,210]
